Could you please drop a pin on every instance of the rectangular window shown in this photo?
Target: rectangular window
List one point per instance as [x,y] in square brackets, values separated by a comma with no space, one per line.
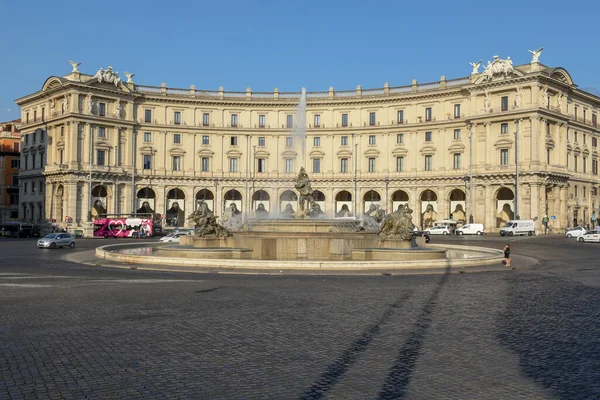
[33,161]
[147,161]
[575,190]
[457,134]
[102,109]
[27,117]
[428,136]
[14,199]
[503,156]
[344,141]
[41,187]
[401,116]
[60,157]
[261,165]
[428,114]
[26,139]
[34,115]
[371,164]
[44,113]
[205,165]
[234,141]
[177,117]
[101,132]
[372,140]
[205,119]
[399,164]
[25,185]
[594,142]
[147,137]
[344,120]
[574,135]
[34,136]
[584,115]
[289,165]
[317,141]
[176,163]
[594,120]
[177,138]
[372,118]
[62,131]
[26,162]
[504,128]
[290,121]
[317,121]
[15,163]
[289,142]
[575,159]
[147,115]
[233,165]
[457,161]
[316,165]
[16,147]
[261,141]
[504,103]
[584,164]
[428,163]
[261,121]
[15,180]
[457,111]
[234,120]
[100,157]
[400,138]
[343,165]
[548,155]
[205,140]
[575,113]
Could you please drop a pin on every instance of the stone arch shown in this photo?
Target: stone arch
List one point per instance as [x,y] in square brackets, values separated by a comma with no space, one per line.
[146,201]
[288,197]
[399,198]
[232,196]
[205,195]
[429,208]
[261,203]
[343,204]
[319,198]
[457,203]
[175,207]
[99,201]
[371,198]
[505,200]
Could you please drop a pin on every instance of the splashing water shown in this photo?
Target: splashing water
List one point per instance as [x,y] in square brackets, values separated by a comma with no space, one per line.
[299,131]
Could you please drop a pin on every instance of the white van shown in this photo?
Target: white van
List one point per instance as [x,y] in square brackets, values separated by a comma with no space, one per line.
[518,227]
[451,224]
[471,229]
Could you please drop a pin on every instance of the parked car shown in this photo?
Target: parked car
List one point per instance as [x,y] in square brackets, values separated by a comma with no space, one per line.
[450,223]
[590,236]
[439,230]
[575,232]
[471,229]
[175,237]
[54,240]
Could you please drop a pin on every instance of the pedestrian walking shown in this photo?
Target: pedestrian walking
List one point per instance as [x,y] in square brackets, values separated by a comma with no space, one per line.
[507,255]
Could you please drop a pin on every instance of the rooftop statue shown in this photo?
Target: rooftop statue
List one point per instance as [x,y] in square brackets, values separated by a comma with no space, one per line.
[535,54]
[108,76]
[75,66]
[475,67]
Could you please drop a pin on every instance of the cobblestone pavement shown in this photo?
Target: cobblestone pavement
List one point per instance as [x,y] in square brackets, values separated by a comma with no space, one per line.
[75,331]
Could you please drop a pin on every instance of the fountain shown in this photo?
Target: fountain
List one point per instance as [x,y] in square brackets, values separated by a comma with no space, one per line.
[304,239]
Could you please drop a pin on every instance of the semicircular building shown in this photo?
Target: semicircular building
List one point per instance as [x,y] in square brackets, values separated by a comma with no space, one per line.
[446,148]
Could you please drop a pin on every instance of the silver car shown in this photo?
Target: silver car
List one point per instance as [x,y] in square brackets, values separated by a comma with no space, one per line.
[54,240]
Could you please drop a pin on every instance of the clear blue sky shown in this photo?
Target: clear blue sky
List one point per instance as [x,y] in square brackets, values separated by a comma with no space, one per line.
[287,44]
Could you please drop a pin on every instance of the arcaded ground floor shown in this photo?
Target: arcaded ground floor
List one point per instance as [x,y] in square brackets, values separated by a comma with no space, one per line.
[491,201]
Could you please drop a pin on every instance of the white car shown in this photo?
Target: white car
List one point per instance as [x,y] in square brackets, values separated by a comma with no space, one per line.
[590,236]
[54,240]
[174,237]
[439,230]
[575,232]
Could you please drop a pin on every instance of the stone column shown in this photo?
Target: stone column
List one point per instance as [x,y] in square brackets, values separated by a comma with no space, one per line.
[71,200]
[490,208]
[562,217]
[488,149]
[535,203]
[49,197]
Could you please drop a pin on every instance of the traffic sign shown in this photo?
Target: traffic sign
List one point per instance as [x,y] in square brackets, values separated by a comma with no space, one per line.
[553,217]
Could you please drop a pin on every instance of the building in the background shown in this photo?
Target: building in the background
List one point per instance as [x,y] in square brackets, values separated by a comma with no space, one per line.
[10,149]
[446,148]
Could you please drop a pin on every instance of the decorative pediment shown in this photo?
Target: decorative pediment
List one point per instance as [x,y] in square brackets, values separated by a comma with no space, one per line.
[206,153]
[234,153]
[577,149]
[261,154]
[569,147]
[108,77]
[344,153]
[147,150]
[102,146]
[504,143]
[372,153]
[562,75]
[456,147]
[178,151]
[428,150]
[399,151]
[316,154]
[60,144]
[289,154]
[585,151]
[550,143]
[52,83]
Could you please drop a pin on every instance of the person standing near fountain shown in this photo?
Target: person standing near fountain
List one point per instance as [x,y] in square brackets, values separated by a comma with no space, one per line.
[507,255]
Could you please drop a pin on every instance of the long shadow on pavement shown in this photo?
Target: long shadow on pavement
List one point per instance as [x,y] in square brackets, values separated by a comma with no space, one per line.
[338,368]
[553,325]
[396,383]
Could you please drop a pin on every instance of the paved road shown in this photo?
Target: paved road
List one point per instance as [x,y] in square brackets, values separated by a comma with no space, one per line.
[76,331]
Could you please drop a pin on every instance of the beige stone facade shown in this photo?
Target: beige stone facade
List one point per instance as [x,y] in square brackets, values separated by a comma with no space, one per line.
[386,146]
